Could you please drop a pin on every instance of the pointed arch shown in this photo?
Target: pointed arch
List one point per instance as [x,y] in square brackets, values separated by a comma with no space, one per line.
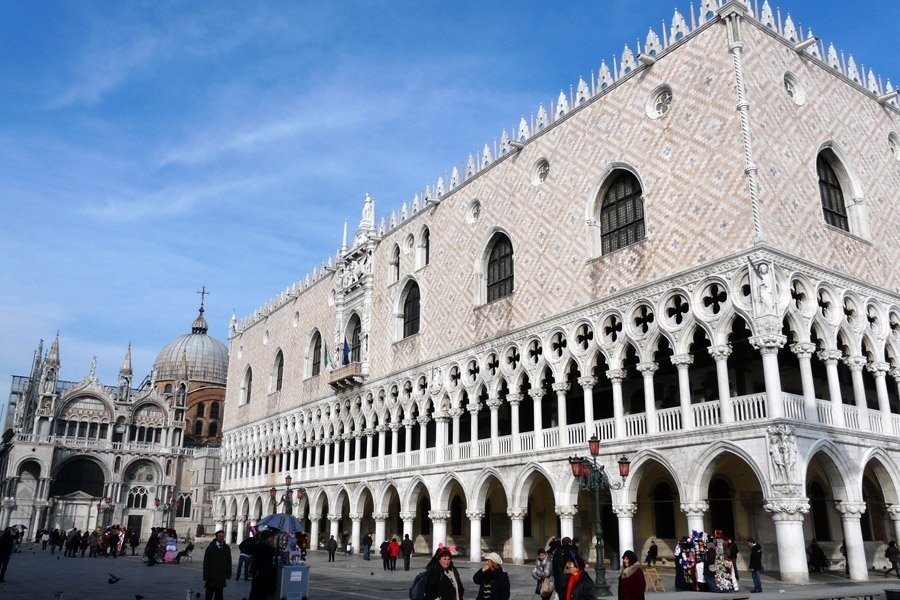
[705,466]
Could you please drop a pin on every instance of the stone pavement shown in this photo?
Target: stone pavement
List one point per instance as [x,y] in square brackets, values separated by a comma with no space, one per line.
[36,575]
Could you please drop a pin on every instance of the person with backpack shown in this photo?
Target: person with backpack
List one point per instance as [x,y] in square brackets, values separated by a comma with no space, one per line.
[246,549]
[442,581]
[492,580]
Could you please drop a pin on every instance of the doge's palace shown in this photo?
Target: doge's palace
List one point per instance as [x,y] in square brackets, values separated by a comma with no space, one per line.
[691,255]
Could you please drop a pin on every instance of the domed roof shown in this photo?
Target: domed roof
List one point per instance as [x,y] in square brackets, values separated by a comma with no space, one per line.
[204,358]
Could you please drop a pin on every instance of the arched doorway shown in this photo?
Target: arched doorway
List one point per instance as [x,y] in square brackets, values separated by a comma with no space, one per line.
[657,517]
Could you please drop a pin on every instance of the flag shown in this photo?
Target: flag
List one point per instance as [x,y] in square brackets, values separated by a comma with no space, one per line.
[346,352]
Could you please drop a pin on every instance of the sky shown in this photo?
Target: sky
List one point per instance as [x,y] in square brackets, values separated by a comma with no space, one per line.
[150,148]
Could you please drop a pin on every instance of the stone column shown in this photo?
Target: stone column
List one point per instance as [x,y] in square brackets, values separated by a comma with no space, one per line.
[314,530]
[590,426]
[616,377]
[438,527]
[517,519]
[242,528]
[894,512]
[229,530]
[830,358]
[380,534]
[804,351]
[355,537]
[382,429]
[647,369]
[494,406]
[879,370]
[720,354]
[423,438]
[334,522]
[407,518]
[566,516]
[856,364]
[358,441]
[895,373]
[768,345]
[537,394]
[395,438]
[694,512]
[455,414]
[370,442]
[514,401]
[683,364]
[625,513]
[440,431]
[473,409]
[851,512]
[563,424]
[408,435]
[475,517]
[787,513]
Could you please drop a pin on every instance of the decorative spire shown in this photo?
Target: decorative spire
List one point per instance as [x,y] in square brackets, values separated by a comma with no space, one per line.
[199,325]
[232,326]
[53,357]
[126,364]
[344,238]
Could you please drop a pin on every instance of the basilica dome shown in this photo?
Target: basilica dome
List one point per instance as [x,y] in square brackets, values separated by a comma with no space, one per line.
[202,356]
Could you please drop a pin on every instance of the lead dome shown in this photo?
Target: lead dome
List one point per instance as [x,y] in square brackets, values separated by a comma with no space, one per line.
[203,357]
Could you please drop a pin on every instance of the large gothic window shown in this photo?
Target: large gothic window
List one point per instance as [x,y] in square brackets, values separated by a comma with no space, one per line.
[353,340]
[832,195]
[137,497]
[621,212]
[278,372]
[316,365]
[247,386]
[184,506]
[411,310]
[500,273]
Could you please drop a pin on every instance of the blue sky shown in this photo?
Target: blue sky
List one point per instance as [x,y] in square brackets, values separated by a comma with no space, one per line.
[149,148]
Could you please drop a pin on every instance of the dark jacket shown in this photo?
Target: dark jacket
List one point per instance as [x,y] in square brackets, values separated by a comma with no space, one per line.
[438,586]
[264,583]
[499,581]
[756,558]
[558,560]
[406,547]
[331,545]
[248,546]
[6,544]
[367,541]
[584,589]
[632,587]
[216,565]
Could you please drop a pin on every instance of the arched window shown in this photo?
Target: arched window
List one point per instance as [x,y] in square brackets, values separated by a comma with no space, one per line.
[663,510]
[426,247]
[395,264]
[247,386]
[213,429]
[316,364]
[168,389]
[353,340]
[198,428]
[411,310]
[182,394]
[278,372]
[832,195]
[621,212]
[214,410]
[137,497]
[500,276]
[200,410]
[183,509]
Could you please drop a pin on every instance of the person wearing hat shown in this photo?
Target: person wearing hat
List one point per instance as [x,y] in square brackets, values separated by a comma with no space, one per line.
[443,582]
[492,580]
[632,583]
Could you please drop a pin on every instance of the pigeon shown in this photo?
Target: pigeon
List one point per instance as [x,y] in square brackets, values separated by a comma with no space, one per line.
[112,579]
[138,597]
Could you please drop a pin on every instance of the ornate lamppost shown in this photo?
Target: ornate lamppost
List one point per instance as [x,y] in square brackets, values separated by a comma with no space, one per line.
[168,508]
[105,507]
[593,477]
[287,498]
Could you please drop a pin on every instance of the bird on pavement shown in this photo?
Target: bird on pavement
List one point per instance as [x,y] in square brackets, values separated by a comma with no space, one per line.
[112,579]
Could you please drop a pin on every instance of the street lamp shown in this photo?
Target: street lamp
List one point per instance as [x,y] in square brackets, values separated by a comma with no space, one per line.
[286,498]
[103,507]
[168,507]
[593,477]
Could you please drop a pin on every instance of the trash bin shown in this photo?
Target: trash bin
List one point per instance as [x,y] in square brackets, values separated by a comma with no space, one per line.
[892,594]
[293,582]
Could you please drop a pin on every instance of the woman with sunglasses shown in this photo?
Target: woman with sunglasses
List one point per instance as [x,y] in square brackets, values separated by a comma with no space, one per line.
[579,585]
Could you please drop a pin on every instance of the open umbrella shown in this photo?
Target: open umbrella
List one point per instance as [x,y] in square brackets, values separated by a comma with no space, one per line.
[19,526]
[282,522]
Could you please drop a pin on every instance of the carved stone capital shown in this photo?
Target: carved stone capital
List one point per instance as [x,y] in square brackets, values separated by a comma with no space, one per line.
[456,413]
[395,426]
[536,394]
[382,427]
[407,516]
[787,509]
[695,509]
[355,517]
[566,511]
[850,510]
[587,382]
[617,375]
[829,357]
[423,420]
[879,369]
[647,368]
[473,409]
[409,422]
[803,349]
[369,431]
[334,518]
[514,399]
[625,510]
[517,514]
[893,511]
[439,515]
[493,403]
[895,373]
[855,363]
[314,516]
[720,352]
[682,360]
[475,515]
[768,343]
[561,387]
[380,516]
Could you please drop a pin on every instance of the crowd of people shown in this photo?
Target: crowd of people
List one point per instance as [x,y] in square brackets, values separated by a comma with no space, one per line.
[708,563]
[109,541]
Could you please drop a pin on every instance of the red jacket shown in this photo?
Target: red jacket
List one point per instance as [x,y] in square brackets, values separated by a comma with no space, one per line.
[633,587]
[394,548]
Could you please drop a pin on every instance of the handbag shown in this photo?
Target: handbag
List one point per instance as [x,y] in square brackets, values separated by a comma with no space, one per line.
[546,588]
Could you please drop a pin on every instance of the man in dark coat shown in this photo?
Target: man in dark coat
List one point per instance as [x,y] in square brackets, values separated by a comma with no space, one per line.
[755,565]
[406,549]
[7,542]
[216,567]
[332,547]
[151,547]
[264,583]
[367,546]
[562,555]
[385,555]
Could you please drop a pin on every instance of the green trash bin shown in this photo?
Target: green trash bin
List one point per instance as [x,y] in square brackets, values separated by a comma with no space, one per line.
[293,582]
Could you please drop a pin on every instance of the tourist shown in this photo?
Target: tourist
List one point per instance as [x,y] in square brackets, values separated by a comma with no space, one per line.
[84,542]
[186,552]
[45,537]
[733,552]
[893,555]
[246,549]
[94,543]
[755,565]
[332,547]
[492,580]
[385,552]
[541,574]
[559,559]
[406,549]
[72,541]
[579,585]
[394,551]
[134,540]
[264,582]
[151,547]
[443,582]
[216,567]
[61,540]
[652,553]
[367,546]
[632,583]
[7,541]
[818,562]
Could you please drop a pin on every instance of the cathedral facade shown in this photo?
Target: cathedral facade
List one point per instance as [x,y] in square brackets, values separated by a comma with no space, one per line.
[83,454]
[692,257]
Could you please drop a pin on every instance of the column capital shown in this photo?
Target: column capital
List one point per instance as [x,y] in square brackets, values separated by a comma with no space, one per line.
[720,353]
[587,382]
[407,516]
[682,360]
[536,393]
[855,363]
[313,516]
[893,511]
[647,368]
[409,422]
[493,403]
[895,373]
[355,517]
[625,510]
[829,357]
[334,518]
[438,515]
[380,516]
[768,343]
[517,514]
[695,509]
[561,387]
[423,420]
[514,399]
[369,431]
[395,426]
[456,413]
[803,349]
[566,511]
[787,509]
[879,369]
[850,510]
[617,375]
[475,515]
[473,409]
